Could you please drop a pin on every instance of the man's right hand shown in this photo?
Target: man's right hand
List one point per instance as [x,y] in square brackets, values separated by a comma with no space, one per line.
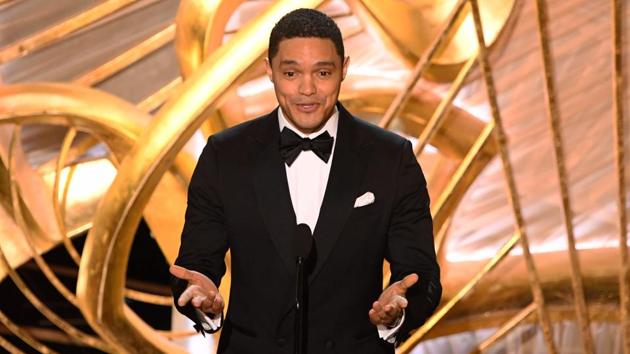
[201,291]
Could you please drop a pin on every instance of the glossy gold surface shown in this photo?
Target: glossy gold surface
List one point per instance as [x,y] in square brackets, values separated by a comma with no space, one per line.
[440,112]
[620,141]
[506,328]
[17,279]
[8,346]
[453,138]
[105,117]
[514,198]
[200,31]
[113,120]
[127,58]
[29,228]
[218,46]
[410,343]
[56,32]
[158,98]
[59,210]
[558,144]
[4,2]
[500,319]
[422,65]
[397,24]
[471,166]
[23,335]
[200,26]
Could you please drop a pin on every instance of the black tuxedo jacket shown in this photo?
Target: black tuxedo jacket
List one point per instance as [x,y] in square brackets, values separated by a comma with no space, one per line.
[239,199]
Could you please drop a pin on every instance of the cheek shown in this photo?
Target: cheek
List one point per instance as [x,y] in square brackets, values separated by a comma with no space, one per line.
[285,89]
[330,93]
[330,88]
[281,95]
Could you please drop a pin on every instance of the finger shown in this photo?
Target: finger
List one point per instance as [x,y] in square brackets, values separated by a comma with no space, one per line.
[198,300]
[395,300]
[181,272]
[392,313]
[409,280]
[212,303]
[187,295]
[400,301]
[380,312]
[390,310]
[373,317]
[208,302]
[378,307]
[217,305]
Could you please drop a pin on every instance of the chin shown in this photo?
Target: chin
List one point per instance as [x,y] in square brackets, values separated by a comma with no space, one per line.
[308,124]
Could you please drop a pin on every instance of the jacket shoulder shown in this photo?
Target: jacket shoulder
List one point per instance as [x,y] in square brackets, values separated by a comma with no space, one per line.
[238,133]
[377,135]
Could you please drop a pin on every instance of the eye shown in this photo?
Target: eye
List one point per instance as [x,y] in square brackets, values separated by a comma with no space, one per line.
[324,73]
[289,74]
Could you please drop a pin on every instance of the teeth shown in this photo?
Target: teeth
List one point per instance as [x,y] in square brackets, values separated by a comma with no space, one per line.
[306,106]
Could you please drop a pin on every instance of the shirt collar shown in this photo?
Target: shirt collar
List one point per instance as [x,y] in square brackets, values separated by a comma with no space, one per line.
[330,126]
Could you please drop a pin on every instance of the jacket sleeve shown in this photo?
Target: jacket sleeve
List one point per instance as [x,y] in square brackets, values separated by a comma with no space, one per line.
[410,247]
[204,237]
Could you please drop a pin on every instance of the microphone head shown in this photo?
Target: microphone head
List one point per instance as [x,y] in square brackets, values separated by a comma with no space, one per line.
[302,241]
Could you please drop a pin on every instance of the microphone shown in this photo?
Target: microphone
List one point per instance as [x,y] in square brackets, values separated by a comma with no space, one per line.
[302,242]
[303,249]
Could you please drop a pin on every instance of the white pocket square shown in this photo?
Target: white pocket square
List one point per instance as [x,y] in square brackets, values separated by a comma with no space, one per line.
[366,199]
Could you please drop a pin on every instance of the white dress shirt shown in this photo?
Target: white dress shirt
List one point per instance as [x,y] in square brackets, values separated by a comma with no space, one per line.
[308,174]
[307,177]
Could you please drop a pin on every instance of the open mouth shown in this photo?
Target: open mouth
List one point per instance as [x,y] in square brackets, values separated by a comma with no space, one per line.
[307,107]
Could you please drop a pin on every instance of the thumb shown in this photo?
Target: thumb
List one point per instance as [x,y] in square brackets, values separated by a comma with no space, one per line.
[181,272]
[408,282]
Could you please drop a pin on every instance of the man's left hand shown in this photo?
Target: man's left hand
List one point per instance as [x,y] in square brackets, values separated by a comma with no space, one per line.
[389,306]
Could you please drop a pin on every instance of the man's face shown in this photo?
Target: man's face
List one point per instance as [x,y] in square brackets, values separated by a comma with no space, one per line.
[306,75]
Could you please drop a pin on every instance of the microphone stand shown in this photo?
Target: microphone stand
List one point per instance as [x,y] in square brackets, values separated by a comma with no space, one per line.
[299,307]
[303,249]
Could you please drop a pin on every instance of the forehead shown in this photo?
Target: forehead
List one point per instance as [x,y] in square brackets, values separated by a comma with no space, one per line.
[306,51]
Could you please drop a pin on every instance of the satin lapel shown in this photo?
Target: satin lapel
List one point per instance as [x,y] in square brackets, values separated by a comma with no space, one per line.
[346,174]
[272,188]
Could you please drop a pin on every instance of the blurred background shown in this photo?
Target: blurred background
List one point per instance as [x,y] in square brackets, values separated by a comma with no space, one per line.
[517,110]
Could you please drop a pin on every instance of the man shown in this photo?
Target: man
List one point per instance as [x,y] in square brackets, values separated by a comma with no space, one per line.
[358,187]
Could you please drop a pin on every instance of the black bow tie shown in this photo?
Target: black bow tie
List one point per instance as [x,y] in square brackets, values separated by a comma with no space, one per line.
[291,145]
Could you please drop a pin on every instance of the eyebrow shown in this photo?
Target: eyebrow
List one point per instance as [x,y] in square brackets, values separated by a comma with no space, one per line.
[319,63]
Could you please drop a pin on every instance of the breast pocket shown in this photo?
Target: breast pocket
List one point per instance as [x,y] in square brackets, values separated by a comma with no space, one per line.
[366,220]
[367,212]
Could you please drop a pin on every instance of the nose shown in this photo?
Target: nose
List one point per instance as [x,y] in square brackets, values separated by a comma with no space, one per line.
[307,86]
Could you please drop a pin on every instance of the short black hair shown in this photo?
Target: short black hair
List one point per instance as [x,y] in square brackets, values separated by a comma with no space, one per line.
[305,23]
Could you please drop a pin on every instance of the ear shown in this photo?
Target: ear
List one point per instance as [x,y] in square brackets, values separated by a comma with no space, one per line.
[268,69]
[344,70]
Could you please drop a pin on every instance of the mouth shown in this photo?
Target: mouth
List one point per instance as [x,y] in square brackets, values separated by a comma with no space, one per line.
[307,107]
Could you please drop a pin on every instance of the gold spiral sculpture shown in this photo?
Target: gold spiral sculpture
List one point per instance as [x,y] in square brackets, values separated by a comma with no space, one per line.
[440,41]
[408,27]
